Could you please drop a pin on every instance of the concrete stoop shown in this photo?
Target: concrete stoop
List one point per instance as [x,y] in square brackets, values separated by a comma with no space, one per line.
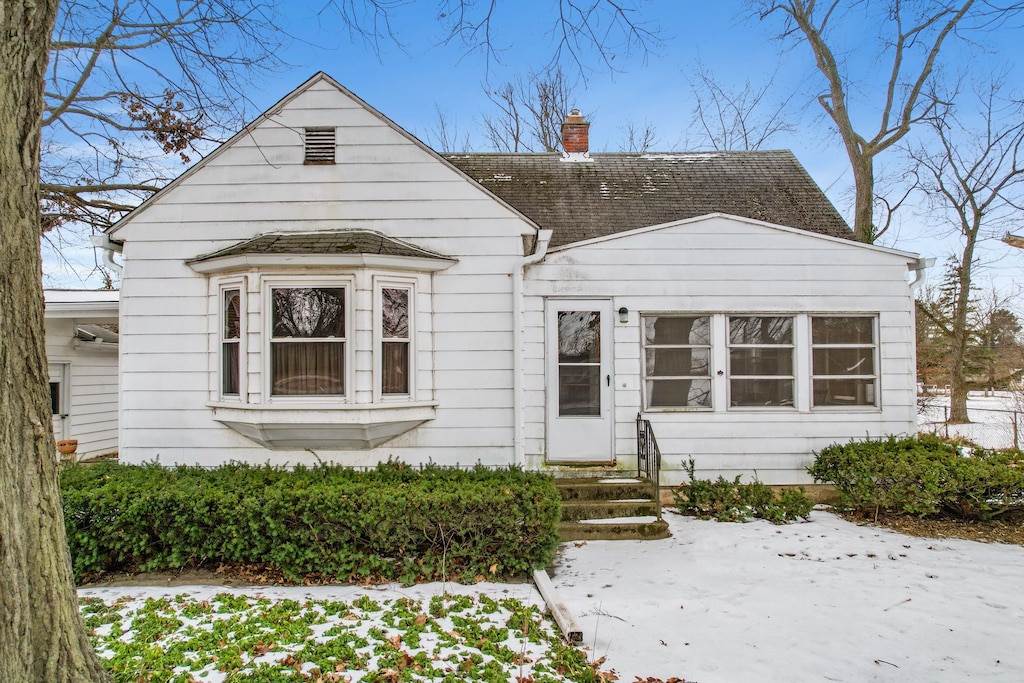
[609,509]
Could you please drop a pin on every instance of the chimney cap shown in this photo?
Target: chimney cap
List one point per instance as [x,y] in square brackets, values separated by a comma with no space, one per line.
[574,116]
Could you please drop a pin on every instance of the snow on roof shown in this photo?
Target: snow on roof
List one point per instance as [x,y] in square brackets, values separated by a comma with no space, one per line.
[81,296]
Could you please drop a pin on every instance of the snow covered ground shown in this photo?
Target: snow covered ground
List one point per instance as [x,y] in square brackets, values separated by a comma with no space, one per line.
[824,600]
[992,418]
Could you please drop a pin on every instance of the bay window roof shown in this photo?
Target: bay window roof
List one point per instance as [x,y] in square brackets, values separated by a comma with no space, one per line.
[352,248]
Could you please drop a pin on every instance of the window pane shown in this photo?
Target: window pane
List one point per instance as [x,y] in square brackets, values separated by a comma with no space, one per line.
[842,330]
[309,312]
[677,330]
[395,368]
[761,392]
[761,361]
[761,330]
[307,368]
[678,362]
[229,368]
[395,313]
[232,314]
[55,398]
[836,361]
[669,393]
[579,336]
[579,390]
[844,392]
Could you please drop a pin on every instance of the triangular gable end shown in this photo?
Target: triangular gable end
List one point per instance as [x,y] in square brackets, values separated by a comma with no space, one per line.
[909,256]
[319,77]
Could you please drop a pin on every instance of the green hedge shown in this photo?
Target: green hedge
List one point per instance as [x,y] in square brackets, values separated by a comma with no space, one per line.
[395,523]
[922,476]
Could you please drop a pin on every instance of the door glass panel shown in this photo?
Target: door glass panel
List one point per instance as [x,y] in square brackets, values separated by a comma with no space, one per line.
[579,336]
[579,390]
[579,363]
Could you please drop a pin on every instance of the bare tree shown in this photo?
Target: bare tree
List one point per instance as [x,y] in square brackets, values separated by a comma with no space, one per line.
[444,135]
[132,85]
[41,633]
[736,118]
[912,36]
[974,179]
[605,29]
[638,138]
[530,113]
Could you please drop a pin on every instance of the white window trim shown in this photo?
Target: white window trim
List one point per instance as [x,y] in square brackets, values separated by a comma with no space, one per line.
[379,284]
[712,358]
[876,360]
[793,347]
[269,283]
[224,285]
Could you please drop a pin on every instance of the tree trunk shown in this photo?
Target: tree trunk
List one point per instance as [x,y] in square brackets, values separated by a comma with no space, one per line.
[41,634]
[864,197]
[961,308]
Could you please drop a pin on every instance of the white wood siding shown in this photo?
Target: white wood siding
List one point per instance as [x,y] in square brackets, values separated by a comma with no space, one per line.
[382,181]
[93,390]
[721,266]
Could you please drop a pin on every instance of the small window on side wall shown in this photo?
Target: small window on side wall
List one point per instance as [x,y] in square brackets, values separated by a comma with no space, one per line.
[395,341]
[843,361]
[231,342]
[320,145]
[677,361]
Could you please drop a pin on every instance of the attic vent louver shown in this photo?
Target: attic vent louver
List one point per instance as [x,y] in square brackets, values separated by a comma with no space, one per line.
[320,145]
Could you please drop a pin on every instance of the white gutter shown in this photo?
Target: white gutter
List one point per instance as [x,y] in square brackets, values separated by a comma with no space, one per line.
[108,247]
[518,424]
[919,269]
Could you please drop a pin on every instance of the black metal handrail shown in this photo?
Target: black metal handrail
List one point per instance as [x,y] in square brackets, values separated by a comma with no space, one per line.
[648,457]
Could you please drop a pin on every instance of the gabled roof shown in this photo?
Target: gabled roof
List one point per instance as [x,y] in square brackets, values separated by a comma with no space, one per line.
[325,242]
[619,192]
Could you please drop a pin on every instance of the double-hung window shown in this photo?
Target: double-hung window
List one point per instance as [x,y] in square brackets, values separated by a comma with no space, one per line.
[761,367]
[677,361]
[395,341]
[230,341]
[307,341]
[843,361]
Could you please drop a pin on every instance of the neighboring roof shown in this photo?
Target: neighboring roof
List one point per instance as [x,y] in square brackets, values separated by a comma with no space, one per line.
[324,243]
[82,303]
[613,193]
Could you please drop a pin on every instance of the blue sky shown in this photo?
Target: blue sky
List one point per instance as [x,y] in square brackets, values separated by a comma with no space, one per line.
[408,83]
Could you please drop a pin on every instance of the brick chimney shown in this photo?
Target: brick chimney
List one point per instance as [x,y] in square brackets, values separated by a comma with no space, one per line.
[576,136]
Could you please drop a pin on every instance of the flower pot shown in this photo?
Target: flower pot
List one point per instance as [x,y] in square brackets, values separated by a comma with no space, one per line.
[67,446]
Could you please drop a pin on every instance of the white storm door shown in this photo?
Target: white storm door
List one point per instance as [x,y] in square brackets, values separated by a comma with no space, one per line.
[59,399]
[579,395]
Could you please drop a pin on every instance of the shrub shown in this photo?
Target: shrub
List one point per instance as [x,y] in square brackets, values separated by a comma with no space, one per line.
[922,476]
[733,501]
[392,523]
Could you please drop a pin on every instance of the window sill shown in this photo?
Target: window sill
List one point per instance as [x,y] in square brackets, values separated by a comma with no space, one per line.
[337,427]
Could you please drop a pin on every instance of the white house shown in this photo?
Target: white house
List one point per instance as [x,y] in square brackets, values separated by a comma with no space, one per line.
[82,350]
[323,286]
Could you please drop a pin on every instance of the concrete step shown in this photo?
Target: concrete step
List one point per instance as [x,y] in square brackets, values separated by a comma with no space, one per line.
[637,529]
[605,489]
[576,510]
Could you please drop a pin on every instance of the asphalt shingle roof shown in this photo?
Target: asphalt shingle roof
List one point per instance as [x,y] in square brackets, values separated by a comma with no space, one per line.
[326,242]
[619,192]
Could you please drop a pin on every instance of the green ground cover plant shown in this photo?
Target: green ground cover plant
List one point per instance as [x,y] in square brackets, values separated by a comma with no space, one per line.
[233,637]
[393,523]
[923,475]
[733,501]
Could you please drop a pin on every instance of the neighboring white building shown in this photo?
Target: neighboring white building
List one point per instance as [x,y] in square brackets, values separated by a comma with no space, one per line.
[325,287]
[81,350]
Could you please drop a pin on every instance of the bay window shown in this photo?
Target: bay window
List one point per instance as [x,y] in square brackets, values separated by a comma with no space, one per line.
[307,341]
[395,341]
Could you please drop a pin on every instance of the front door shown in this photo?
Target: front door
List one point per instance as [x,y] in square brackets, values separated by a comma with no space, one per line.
[579,395]
[59,399]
